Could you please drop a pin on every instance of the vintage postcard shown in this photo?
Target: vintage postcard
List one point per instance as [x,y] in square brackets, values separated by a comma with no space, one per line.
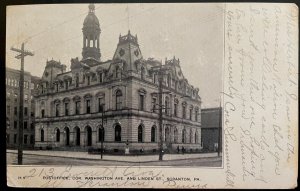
[189,95]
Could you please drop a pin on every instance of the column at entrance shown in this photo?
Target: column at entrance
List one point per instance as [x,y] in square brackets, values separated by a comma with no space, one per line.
[94,138]
[72,138]
[83,138]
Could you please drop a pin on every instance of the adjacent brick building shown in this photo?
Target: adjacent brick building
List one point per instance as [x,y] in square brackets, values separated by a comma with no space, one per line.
[70,104]
[12,107]
[211,120]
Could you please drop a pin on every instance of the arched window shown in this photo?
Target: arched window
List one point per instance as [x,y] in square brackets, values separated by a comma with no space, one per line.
[183,136]
[140,133]
[153,133]
[118,100]
[57,135]
[42,135]
[175,135]
[101,134]
[117,133]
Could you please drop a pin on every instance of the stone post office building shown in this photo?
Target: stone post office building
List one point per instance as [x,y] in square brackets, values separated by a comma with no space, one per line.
[121,94]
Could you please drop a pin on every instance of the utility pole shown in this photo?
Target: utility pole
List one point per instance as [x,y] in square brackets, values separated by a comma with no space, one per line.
[21,56]
[160,118]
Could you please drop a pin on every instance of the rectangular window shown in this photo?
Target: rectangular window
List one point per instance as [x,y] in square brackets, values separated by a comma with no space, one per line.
[56,87]
[88,106]
[8,110]
[67,85]
[25,111]
[66,109]
[101,104]
[25,125]
[191,113]
[16,111]
[142,102]
[15,138]
[25,139]
[57,110]
[154,105]
[43,113]
[32,125]
[196,115]
[183,112]
[175,110]
[118,102]
[31,139]
[7,138]
[26,97]
[15,124]
[77,105]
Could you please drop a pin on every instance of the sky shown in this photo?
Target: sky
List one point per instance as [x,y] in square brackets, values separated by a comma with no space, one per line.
[191,32]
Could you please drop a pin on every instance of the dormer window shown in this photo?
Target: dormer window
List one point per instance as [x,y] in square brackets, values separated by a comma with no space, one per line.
[118,72]
[88,80]
[77,81]
[154,78]
[169,80]
[66,85]
[42,88]
[56,87]
[142,73]
[101,77]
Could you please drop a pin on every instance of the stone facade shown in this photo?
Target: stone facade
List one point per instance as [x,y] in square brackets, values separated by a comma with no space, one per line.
[12,107]
[121,94]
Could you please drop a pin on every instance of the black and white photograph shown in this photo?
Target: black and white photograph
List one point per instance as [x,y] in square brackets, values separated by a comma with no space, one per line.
[122,89]
[158,95]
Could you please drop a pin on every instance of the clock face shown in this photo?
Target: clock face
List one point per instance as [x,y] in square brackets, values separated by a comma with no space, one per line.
[136,52]
[121,52]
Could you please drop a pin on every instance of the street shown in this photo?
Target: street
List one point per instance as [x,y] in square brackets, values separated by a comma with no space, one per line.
[31,159]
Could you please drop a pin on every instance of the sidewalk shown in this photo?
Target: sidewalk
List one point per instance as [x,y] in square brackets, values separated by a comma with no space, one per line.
[123,158]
